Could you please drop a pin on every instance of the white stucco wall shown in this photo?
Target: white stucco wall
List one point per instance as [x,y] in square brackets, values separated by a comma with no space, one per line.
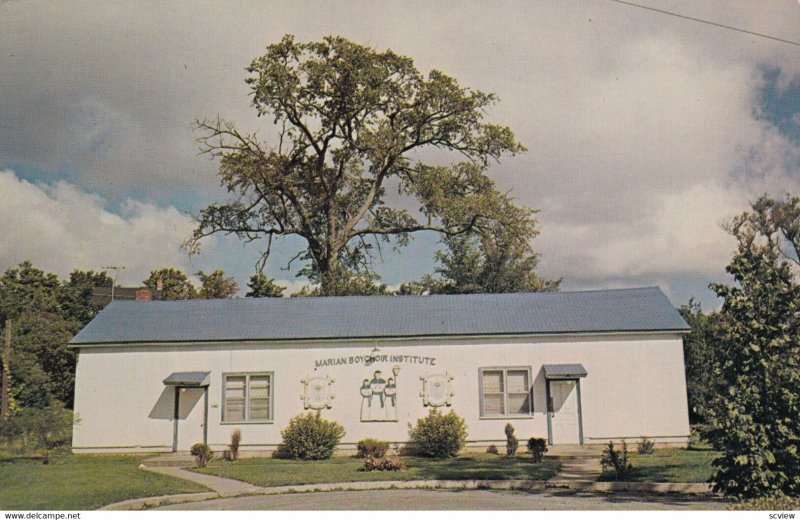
[635,387]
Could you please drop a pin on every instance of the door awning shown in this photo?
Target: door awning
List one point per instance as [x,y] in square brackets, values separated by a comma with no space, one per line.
[564,371]
[188,379]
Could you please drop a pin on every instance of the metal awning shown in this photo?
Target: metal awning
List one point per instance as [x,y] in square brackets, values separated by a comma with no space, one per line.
[188,379]
[564,371]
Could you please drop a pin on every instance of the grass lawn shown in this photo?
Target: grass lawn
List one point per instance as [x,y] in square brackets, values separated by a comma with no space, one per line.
[671,465]
[80,482]
[277,472]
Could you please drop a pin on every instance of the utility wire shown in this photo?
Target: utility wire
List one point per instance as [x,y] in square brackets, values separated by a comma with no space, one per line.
[708,22]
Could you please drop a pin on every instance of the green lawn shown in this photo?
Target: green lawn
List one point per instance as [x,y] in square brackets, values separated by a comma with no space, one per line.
[671,465]
[277,472]
[80,482]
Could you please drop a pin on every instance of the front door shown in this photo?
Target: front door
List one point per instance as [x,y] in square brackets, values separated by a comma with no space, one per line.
[190,417]
[564,412]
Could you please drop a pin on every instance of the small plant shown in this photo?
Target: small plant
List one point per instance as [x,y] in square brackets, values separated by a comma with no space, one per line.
[383,464]
[511,441]
[372,448]
[493,450]
[310,437]
[768,503]
[236,438]
[202,454]
[617,460]
[439,435]
[646,446]
[537,447]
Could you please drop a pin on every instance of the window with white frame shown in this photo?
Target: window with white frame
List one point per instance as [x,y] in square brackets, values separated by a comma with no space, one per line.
[247,397]
[505,392]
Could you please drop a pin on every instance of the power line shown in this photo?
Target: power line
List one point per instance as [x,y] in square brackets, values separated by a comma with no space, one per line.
[707,22]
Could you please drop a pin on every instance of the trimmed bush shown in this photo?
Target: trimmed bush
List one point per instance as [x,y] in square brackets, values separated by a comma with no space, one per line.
[537,447]
[511,441]
[310,437]
[439,435]
[236,438]
[383,464]
[616,460]
[646,446]
[372,448]
[202,454]
[493,450]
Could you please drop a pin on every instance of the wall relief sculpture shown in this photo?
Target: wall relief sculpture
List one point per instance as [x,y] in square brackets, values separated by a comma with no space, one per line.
[379,396]
[317,392]
[437,390]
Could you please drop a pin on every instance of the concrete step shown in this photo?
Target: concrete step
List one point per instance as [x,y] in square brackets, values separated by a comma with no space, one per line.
[171,460]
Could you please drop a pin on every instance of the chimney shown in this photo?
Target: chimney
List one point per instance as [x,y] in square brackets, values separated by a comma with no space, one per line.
[144,294]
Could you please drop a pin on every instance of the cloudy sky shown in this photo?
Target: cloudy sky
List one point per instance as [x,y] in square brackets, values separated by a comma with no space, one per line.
[645,131]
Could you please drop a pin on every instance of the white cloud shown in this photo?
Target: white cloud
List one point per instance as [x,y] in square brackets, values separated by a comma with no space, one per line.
[644,130]
[60,227]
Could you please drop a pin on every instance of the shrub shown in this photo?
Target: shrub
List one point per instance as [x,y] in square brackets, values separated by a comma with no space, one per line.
[236,438]
[770,503]
[646,446]
[41,428]
[310,437]
[372,448]
[202,454]
[617,460]
[493,450]
[383,464]
[511,441]
[439,435]
[538,447]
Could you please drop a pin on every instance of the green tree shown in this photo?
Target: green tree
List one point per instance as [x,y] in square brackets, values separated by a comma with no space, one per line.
[263,287]
[43,339]
[28,289]
[217,285]
[699,352]
[171,284]
[754,419]
[75,296]
[487,264]
[46,314]
[351,122]
[347,283]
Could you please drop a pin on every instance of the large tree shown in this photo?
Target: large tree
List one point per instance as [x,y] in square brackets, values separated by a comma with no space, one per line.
[75,295]
[485,264]
[699,352]
[753,419]
[45,314]
[352,123]
[262,287]
[171,284]
[217,285]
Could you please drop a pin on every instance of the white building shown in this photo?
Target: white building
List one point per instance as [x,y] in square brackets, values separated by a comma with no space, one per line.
[572,367]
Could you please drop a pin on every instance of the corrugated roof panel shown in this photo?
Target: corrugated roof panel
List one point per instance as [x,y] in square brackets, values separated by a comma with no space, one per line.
[188,379]
[622,310]
[566,370]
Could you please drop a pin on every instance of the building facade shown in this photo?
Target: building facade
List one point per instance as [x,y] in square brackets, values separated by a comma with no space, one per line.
[574,368]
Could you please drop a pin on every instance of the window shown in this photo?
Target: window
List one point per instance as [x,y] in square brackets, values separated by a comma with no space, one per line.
[505,392]
[247,397]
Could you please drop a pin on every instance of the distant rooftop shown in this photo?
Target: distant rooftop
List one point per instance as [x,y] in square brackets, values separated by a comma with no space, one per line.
[365,317]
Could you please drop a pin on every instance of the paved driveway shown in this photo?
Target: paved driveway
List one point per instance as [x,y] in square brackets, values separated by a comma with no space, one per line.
[425,500]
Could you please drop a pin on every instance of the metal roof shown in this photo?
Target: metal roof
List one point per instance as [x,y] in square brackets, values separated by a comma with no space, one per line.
[365,317]
[564,371]
[188,379]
